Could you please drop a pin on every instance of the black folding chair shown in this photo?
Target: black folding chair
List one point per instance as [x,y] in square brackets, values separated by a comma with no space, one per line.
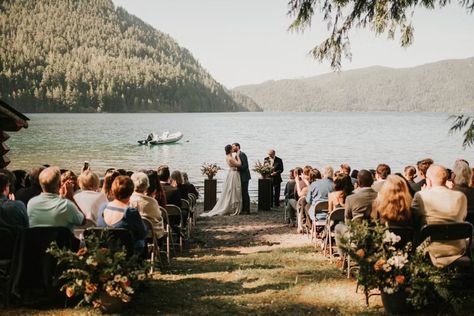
[452,231]
[122,236]
[405,233]
[152,247]
[10,238]
[176,223]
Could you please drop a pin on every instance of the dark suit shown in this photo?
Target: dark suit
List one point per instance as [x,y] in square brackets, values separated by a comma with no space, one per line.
[276,179]
[244,179]
[173,196]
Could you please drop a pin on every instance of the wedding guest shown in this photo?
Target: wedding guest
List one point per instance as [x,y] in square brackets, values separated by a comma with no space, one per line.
[109,178]
[172,194]
[54,206]
[119,214]
[178,183]
[381,173]
[289,191]
[346,169]
[393,203]
[277,169]
[302,205]
[155,190]
[12,181]
[69,175]
[300,189]
[20,176]
[319,191]
[409,174]
[423,166]
[146,205]
[342,189]
[88,198]
[13,213]
[438,204]
[472,178]
[191,188]
[462,175]
[31,190]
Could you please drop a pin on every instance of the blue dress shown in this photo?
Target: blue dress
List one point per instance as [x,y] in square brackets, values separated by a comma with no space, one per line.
[131,220]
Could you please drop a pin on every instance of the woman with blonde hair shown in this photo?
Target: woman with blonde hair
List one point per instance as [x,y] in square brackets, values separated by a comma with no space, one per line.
[393,203]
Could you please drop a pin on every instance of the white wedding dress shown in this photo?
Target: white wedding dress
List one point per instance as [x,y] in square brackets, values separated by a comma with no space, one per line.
[230,201]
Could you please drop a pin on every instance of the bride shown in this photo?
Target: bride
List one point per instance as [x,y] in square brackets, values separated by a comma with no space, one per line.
[230,200]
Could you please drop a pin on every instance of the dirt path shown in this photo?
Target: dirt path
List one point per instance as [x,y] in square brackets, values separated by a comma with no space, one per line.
[251,264]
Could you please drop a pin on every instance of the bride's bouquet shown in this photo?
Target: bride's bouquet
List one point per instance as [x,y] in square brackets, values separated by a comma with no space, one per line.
[210,169]
[265,169]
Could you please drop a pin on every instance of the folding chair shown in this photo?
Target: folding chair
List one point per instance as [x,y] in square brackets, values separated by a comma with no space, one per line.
[176,223]
[152,247]
[121,235]
[192,202]
[319,207]
[169,235]
[448,232]
[185,205]
[405,233]
[10,238]
[333,219]
[79,230]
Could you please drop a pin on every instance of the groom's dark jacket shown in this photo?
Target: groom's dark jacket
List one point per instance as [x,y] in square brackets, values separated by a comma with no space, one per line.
[244,168]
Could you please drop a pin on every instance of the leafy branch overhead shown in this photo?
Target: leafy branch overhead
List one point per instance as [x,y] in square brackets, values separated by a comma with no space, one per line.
[459,123]
[382,16]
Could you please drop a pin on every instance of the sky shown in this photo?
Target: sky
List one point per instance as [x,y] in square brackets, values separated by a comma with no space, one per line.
[243,42]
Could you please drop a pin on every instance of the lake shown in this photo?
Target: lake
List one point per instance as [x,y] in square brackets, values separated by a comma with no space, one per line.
[318,139]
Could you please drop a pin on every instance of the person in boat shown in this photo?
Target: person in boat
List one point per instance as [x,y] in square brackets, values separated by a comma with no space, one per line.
[150,137]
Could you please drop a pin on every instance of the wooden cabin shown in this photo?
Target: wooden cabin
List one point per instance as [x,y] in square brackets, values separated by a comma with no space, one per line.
[10,121]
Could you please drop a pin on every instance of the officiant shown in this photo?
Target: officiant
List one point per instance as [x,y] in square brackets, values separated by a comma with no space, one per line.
[277,167]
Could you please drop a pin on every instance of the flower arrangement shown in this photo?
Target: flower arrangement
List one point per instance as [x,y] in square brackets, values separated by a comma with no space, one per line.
[265,169]
[392,269]
[100,269]
[210,169]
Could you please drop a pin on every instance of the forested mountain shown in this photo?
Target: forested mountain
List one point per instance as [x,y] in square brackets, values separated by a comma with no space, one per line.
[87,55]
[442,86]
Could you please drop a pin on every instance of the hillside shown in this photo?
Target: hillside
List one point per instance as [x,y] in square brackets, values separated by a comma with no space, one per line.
[87,56]
[446,86]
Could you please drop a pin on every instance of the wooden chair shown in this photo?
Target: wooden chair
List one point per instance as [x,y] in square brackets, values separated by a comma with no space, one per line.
[319,207]
[334,217]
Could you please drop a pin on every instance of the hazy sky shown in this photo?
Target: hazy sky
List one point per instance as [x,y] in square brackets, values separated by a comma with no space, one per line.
[246,41]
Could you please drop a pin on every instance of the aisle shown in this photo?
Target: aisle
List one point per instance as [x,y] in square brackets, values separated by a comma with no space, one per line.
[251,264]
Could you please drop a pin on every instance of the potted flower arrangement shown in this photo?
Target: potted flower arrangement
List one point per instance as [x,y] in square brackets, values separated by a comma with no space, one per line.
[101,274]
[404,277]
[264,169]
[210,169]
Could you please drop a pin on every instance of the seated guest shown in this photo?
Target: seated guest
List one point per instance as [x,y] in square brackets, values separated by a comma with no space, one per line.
[32,187]
[300,189]
[12,180]
[381,173]
[319,191]
[462,176]
[54,206]
[346,169]
[20,176]
[409,174]
[358,205]
[88,198]
[172,194]
[393,203]
[191,188]
[438,204]
[302,206]
[289,191]
[109,178]
[178,183]
[423,166]
[68,175]
[13,213]
[146,205]
[119,214]
[342,188]
[155,190]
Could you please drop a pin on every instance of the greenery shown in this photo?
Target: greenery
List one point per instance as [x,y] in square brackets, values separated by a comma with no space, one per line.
[444,86]
[101,267]
[384,266]
[88,56]
[389,16]
[464,121]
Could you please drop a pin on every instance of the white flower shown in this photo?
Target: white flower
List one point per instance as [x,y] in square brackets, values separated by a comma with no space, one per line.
[390,237]
[388,290]
[387,268]
[398,261]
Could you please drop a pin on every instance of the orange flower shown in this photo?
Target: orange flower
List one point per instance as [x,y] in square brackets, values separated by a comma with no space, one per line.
[360,253]
[400,279]
[379,264]
[90,288]
[82,251]
[69,292]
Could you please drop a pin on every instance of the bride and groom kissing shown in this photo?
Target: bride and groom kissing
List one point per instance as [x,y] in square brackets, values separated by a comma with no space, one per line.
[234,198]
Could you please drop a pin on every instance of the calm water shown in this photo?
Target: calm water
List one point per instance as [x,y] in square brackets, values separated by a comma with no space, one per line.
[318,139]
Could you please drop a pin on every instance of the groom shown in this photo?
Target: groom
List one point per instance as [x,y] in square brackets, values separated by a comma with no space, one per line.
[244,178]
